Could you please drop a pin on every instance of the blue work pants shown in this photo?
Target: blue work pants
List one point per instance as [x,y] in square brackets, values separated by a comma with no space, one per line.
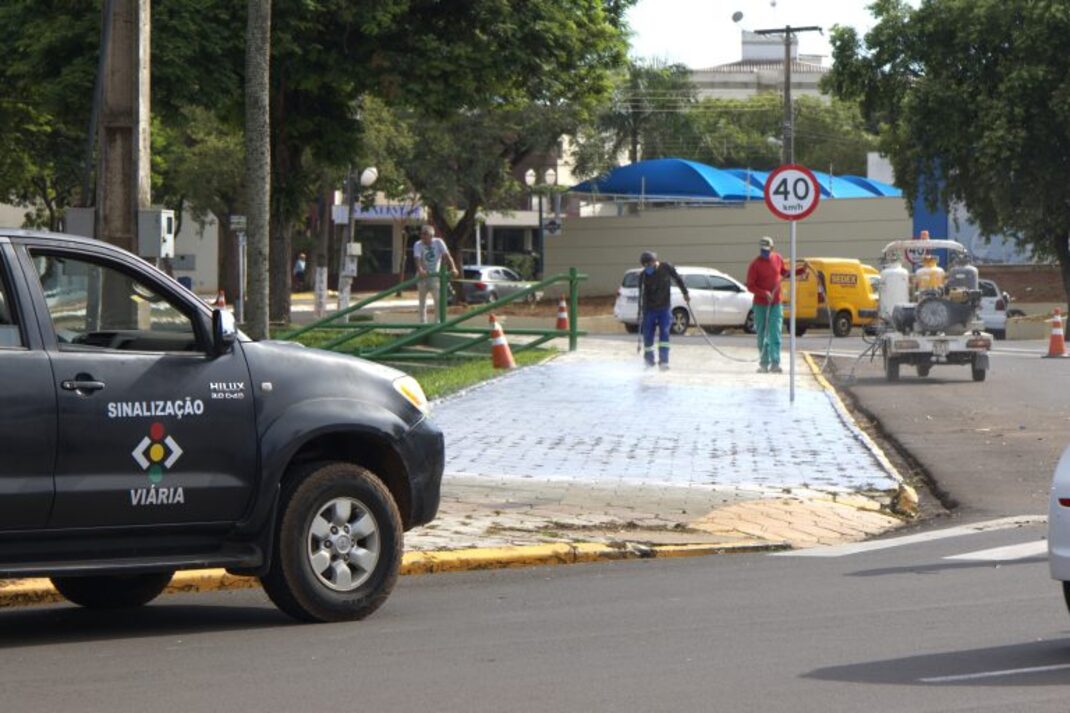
[768,322]
[661,320]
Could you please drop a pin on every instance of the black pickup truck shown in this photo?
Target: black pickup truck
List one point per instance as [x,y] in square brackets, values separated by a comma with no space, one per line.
[141,433]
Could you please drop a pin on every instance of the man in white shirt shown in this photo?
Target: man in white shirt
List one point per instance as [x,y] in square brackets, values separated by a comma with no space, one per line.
[429,252]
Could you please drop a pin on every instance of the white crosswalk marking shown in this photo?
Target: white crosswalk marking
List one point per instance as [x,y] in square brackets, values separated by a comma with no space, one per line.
[873,545]
[1005,554]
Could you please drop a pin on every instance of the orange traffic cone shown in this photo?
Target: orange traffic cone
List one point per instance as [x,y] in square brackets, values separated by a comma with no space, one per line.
[1057,343]
[221,300]
[562,315]
[500,354]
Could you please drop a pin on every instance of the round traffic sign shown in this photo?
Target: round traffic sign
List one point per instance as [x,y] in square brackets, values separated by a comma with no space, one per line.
[792,192]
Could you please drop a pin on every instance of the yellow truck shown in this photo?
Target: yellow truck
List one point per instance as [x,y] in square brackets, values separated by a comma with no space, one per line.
[849,295]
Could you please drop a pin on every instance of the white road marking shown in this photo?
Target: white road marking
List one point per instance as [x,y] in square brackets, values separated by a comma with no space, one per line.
[1005,554]
[873,545]
[994,674]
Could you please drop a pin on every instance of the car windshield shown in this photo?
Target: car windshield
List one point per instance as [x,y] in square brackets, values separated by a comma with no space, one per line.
[473,275]
[988,289]
[631,279]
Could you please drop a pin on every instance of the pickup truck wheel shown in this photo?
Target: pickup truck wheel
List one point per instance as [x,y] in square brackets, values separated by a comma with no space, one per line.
[113,591]
[841,324]
[339,545]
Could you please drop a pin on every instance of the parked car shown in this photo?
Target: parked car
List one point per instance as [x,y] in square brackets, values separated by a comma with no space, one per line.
[486,283]
[141,433]
[718,301]
[994,305]
[1059,525]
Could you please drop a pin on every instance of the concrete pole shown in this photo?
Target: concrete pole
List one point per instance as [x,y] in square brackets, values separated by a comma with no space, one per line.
[123,169]
[789,138]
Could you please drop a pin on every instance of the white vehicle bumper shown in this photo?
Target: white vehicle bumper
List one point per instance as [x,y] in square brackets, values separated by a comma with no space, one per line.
[1059,521]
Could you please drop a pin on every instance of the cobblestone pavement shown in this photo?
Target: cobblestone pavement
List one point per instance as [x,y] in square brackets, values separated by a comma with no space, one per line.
[592,446]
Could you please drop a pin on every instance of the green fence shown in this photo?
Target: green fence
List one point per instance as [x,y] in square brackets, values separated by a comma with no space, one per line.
[422,342]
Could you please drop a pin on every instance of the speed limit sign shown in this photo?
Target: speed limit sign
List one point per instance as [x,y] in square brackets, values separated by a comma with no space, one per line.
[791,192]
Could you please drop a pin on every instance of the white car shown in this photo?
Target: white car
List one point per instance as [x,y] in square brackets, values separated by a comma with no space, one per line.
[993,310]
[1059,525]
[718,301]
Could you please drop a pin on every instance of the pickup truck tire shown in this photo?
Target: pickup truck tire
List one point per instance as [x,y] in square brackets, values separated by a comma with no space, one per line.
[841,323]
[338,546]
[112,591]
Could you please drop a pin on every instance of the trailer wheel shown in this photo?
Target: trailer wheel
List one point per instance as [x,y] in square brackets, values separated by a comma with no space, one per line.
[978,374]
[891,368]
[924,369]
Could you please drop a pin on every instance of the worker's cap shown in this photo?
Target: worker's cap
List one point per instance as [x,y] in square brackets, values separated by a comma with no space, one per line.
[647,257]
[766,243]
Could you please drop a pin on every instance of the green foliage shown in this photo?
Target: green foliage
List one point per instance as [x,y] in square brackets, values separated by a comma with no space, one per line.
[645,117]
[654,113]
[978,94]
[438,381]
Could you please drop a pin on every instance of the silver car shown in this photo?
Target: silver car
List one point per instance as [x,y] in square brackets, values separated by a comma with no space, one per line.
[487,283]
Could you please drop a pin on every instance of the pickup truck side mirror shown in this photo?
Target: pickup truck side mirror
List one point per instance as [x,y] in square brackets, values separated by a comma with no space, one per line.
[224,332]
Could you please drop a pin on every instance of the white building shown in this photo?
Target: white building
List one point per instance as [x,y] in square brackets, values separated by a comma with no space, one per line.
[761,70]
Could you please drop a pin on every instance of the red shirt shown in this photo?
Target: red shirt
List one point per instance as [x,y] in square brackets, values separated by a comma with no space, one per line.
[764,275]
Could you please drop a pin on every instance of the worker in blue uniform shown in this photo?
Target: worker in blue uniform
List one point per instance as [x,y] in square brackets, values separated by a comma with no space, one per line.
[655,305]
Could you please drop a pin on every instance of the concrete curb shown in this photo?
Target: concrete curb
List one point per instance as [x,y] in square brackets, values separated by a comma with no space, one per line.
[30,592]
[906,499]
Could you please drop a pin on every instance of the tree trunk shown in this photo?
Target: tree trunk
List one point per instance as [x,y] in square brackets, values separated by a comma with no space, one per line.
[285,157]
[229,259]
[281,272]
[258,162]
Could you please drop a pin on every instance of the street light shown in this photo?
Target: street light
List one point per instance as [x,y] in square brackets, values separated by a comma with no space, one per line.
[549,179]
[349,262]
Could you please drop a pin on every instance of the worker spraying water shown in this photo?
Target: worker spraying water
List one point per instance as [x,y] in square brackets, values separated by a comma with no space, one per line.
[764,279]
[655,300]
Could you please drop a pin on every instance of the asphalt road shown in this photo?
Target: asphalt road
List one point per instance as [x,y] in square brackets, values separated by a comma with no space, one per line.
[991,446]
[888,630]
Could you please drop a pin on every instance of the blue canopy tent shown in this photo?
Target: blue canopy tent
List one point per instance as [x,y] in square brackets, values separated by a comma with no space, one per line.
[675,179]
[671,179]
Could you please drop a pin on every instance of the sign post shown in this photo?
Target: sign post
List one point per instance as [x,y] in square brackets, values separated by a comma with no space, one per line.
[792,193]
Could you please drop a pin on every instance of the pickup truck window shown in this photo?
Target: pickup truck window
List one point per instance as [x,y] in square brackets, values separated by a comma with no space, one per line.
[94,306]
[10,337]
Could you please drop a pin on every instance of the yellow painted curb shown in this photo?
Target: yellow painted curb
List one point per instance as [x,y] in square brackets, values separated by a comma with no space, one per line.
[29,592]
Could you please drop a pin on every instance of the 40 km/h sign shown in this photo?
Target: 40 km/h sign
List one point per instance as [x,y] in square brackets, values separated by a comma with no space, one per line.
[791,192]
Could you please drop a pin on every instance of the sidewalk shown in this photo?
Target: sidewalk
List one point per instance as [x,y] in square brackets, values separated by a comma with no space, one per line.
[593,447]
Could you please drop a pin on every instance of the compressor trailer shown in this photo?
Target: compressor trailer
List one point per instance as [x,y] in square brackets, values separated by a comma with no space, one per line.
[930,317]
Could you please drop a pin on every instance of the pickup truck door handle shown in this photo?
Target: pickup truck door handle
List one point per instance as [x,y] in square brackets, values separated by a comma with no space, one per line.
[80,384]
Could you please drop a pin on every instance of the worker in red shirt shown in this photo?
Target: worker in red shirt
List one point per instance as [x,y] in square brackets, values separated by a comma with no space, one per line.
[763,280]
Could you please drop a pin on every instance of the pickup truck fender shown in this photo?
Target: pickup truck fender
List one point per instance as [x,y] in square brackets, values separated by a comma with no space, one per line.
[300,424]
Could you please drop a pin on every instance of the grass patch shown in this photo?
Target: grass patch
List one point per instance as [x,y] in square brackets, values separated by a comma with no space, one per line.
[438,379]
[441,380]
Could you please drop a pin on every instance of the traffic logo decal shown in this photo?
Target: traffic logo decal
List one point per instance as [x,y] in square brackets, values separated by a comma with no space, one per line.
[157,453]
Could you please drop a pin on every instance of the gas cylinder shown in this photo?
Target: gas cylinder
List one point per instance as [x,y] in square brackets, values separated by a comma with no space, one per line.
[894,290]
[930,276]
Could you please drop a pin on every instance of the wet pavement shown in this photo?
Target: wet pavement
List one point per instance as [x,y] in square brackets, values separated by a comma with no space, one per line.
[592,446]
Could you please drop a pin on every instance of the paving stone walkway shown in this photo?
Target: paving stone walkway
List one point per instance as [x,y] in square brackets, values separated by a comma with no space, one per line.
[593,446]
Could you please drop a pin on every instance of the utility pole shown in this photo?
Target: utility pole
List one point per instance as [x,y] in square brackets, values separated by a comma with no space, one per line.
[258,162]
[788,149]
[123,169]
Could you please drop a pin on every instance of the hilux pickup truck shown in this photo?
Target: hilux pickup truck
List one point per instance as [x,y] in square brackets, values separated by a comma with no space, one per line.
[142,433]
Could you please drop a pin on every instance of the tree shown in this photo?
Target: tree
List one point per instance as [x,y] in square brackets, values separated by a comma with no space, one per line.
[829,136]
[647,116]
[973,103]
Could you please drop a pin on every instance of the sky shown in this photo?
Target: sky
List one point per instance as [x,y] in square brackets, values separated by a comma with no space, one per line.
[700,33]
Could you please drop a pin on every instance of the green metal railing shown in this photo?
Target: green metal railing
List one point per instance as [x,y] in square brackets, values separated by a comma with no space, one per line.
[413,342]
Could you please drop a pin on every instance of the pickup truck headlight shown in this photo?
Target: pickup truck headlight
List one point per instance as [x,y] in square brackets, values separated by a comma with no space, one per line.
[412,391]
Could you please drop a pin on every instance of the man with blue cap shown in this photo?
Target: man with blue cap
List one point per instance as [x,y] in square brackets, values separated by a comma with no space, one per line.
[655,305]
